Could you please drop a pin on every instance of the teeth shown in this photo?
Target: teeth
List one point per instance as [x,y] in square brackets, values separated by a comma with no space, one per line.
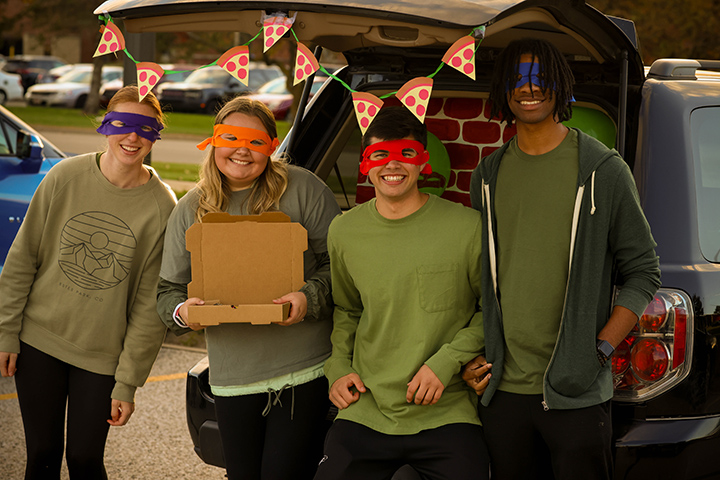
[534,102]
[239,162]
[393,178]
[130,149]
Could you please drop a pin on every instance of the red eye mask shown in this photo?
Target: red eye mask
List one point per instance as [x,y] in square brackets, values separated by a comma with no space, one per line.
[255,140]
[382,153]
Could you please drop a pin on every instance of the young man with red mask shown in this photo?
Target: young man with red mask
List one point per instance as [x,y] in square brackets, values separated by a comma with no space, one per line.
[405,272]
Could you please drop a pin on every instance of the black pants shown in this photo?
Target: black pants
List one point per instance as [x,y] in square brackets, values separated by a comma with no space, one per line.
[45,385]
[527,442]
[276,446]
[451,452]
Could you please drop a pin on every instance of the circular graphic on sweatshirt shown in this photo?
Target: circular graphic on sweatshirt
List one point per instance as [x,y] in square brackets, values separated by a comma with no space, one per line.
[96,250]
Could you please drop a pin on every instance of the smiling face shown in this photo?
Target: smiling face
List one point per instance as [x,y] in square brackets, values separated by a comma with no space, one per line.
[396,181]
[130,149]
[529,103]
[240,165]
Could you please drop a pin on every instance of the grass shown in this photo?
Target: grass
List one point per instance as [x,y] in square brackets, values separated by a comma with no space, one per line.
[196,124]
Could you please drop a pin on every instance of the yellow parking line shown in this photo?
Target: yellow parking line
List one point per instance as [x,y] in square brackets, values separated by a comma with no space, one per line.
[157,378]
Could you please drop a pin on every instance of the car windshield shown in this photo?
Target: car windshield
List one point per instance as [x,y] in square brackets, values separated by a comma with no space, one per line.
[76,76]
[277,85]
[208,75]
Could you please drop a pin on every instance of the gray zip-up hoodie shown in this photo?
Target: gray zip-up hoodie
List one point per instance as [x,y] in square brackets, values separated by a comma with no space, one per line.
[609,234]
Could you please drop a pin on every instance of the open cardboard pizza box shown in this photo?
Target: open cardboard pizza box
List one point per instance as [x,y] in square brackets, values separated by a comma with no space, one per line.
[240,263]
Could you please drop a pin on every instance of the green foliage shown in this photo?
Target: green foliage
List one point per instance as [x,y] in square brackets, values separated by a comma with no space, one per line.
[670,28]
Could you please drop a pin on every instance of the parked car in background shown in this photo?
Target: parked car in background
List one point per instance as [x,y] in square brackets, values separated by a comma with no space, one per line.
[278,98]
[32,68]
[206,89]
[663,120]
[181,72]
[10,87]
[25,158]
[70,90]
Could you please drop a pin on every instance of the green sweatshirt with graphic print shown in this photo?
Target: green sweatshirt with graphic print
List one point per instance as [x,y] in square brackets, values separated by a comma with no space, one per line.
[406,294]
[79,281]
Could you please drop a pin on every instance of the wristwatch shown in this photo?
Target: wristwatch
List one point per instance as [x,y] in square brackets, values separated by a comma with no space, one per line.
[604,351]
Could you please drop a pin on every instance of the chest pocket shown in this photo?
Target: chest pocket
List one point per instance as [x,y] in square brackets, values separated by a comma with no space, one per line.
[437,286]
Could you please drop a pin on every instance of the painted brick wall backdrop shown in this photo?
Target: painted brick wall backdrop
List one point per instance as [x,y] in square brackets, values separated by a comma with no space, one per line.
[468,133]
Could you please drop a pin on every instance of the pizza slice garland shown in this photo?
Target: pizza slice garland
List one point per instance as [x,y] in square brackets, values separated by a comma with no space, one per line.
[305,64]
[236,61]
[366,106]
[461,56]
[415,95]
[148,75]
[111,40]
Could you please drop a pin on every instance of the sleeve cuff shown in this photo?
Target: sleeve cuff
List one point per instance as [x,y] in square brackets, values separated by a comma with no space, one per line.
[123,392]
[176,316]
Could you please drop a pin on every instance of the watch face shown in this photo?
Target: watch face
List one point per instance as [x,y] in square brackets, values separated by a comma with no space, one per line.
[605,348]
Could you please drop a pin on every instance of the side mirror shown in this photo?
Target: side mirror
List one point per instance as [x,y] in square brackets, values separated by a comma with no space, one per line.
[30,151]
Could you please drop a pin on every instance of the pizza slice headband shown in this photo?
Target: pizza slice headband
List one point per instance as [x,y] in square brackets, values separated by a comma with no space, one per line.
[415,94]
[238,137]
[119,123]
[382,153]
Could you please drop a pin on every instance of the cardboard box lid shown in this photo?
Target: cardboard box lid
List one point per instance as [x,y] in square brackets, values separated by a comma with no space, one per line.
[245,259]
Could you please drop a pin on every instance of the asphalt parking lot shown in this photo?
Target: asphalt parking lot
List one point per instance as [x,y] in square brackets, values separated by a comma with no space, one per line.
[155,444]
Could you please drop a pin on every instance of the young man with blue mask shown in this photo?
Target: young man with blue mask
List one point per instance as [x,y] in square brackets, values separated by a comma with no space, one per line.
[561,217]
[405,270]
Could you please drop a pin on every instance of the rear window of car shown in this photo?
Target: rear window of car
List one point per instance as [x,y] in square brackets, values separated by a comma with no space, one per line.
[706,154]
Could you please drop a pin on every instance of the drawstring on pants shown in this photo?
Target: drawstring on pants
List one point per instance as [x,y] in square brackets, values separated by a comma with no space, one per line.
[274,402]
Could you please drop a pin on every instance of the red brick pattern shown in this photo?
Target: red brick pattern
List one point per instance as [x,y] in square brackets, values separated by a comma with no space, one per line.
[464,127]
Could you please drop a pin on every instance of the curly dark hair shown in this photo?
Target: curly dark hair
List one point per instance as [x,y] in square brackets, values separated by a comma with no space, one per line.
[558,77]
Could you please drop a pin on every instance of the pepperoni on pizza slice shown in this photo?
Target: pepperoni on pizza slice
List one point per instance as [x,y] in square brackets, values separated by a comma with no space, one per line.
[305,64]
[148,75]
[415,95]
[112,40]
[367,106]
[235,61]
[461,56]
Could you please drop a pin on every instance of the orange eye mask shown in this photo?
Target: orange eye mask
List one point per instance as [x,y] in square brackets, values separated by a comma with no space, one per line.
[237,137]
[381,153]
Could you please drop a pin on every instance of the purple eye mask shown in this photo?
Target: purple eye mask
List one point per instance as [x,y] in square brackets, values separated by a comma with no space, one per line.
[117,123]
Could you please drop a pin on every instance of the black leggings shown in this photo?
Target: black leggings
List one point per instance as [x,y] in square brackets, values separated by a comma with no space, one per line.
[45,385]
[274,447]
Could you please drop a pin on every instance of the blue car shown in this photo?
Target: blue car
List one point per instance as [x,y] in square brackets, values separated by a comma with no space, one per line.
[25,158]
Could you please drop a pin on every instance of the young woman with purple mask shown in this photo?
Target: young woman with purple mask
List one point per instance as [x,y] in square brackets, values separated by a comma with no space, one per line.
[79,328]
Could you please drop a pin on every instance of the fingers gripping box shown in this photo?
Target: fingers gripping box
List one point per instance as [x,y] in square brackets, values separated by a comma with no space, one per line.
[240,263]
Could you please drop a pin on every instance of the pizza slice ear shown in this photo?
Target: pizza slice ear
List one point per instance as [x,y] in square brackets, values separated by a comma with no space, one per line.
[461,56]
[148,75]
[236,61]
[274,28]
[111,41]
[415,95]
[305,64]
[367,107]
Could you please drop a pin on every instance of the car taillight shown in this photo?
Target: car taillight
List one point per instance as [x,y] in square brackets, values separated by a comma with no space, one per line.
[656,355]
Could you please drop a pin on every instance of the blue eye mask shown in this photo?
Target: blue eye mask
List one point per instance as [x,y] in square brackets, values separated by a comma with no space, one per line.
[117,123]
[529,72]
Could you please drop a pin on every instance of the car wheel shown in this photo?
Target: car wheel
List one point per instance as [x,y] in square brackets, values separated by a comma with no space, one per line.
[80,102]
[3,97]
[212,107]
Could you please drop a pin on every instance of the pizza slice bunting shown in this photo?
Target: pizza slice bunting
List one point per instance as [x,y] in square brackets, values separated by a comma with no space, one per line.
[305,64]
[366,106]
[461,56]
[415,95]
[112,40]
[148,75]
[236,61]
[274,28]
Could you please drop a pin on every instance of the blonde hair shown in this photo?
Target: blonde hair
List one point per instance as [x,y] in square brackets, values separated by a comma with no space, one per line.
[129,94]
[265,193]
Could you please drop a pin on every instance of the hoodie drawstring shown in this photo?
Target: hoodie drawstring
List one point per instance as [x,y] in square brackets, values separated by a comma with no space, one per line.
[592,193]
